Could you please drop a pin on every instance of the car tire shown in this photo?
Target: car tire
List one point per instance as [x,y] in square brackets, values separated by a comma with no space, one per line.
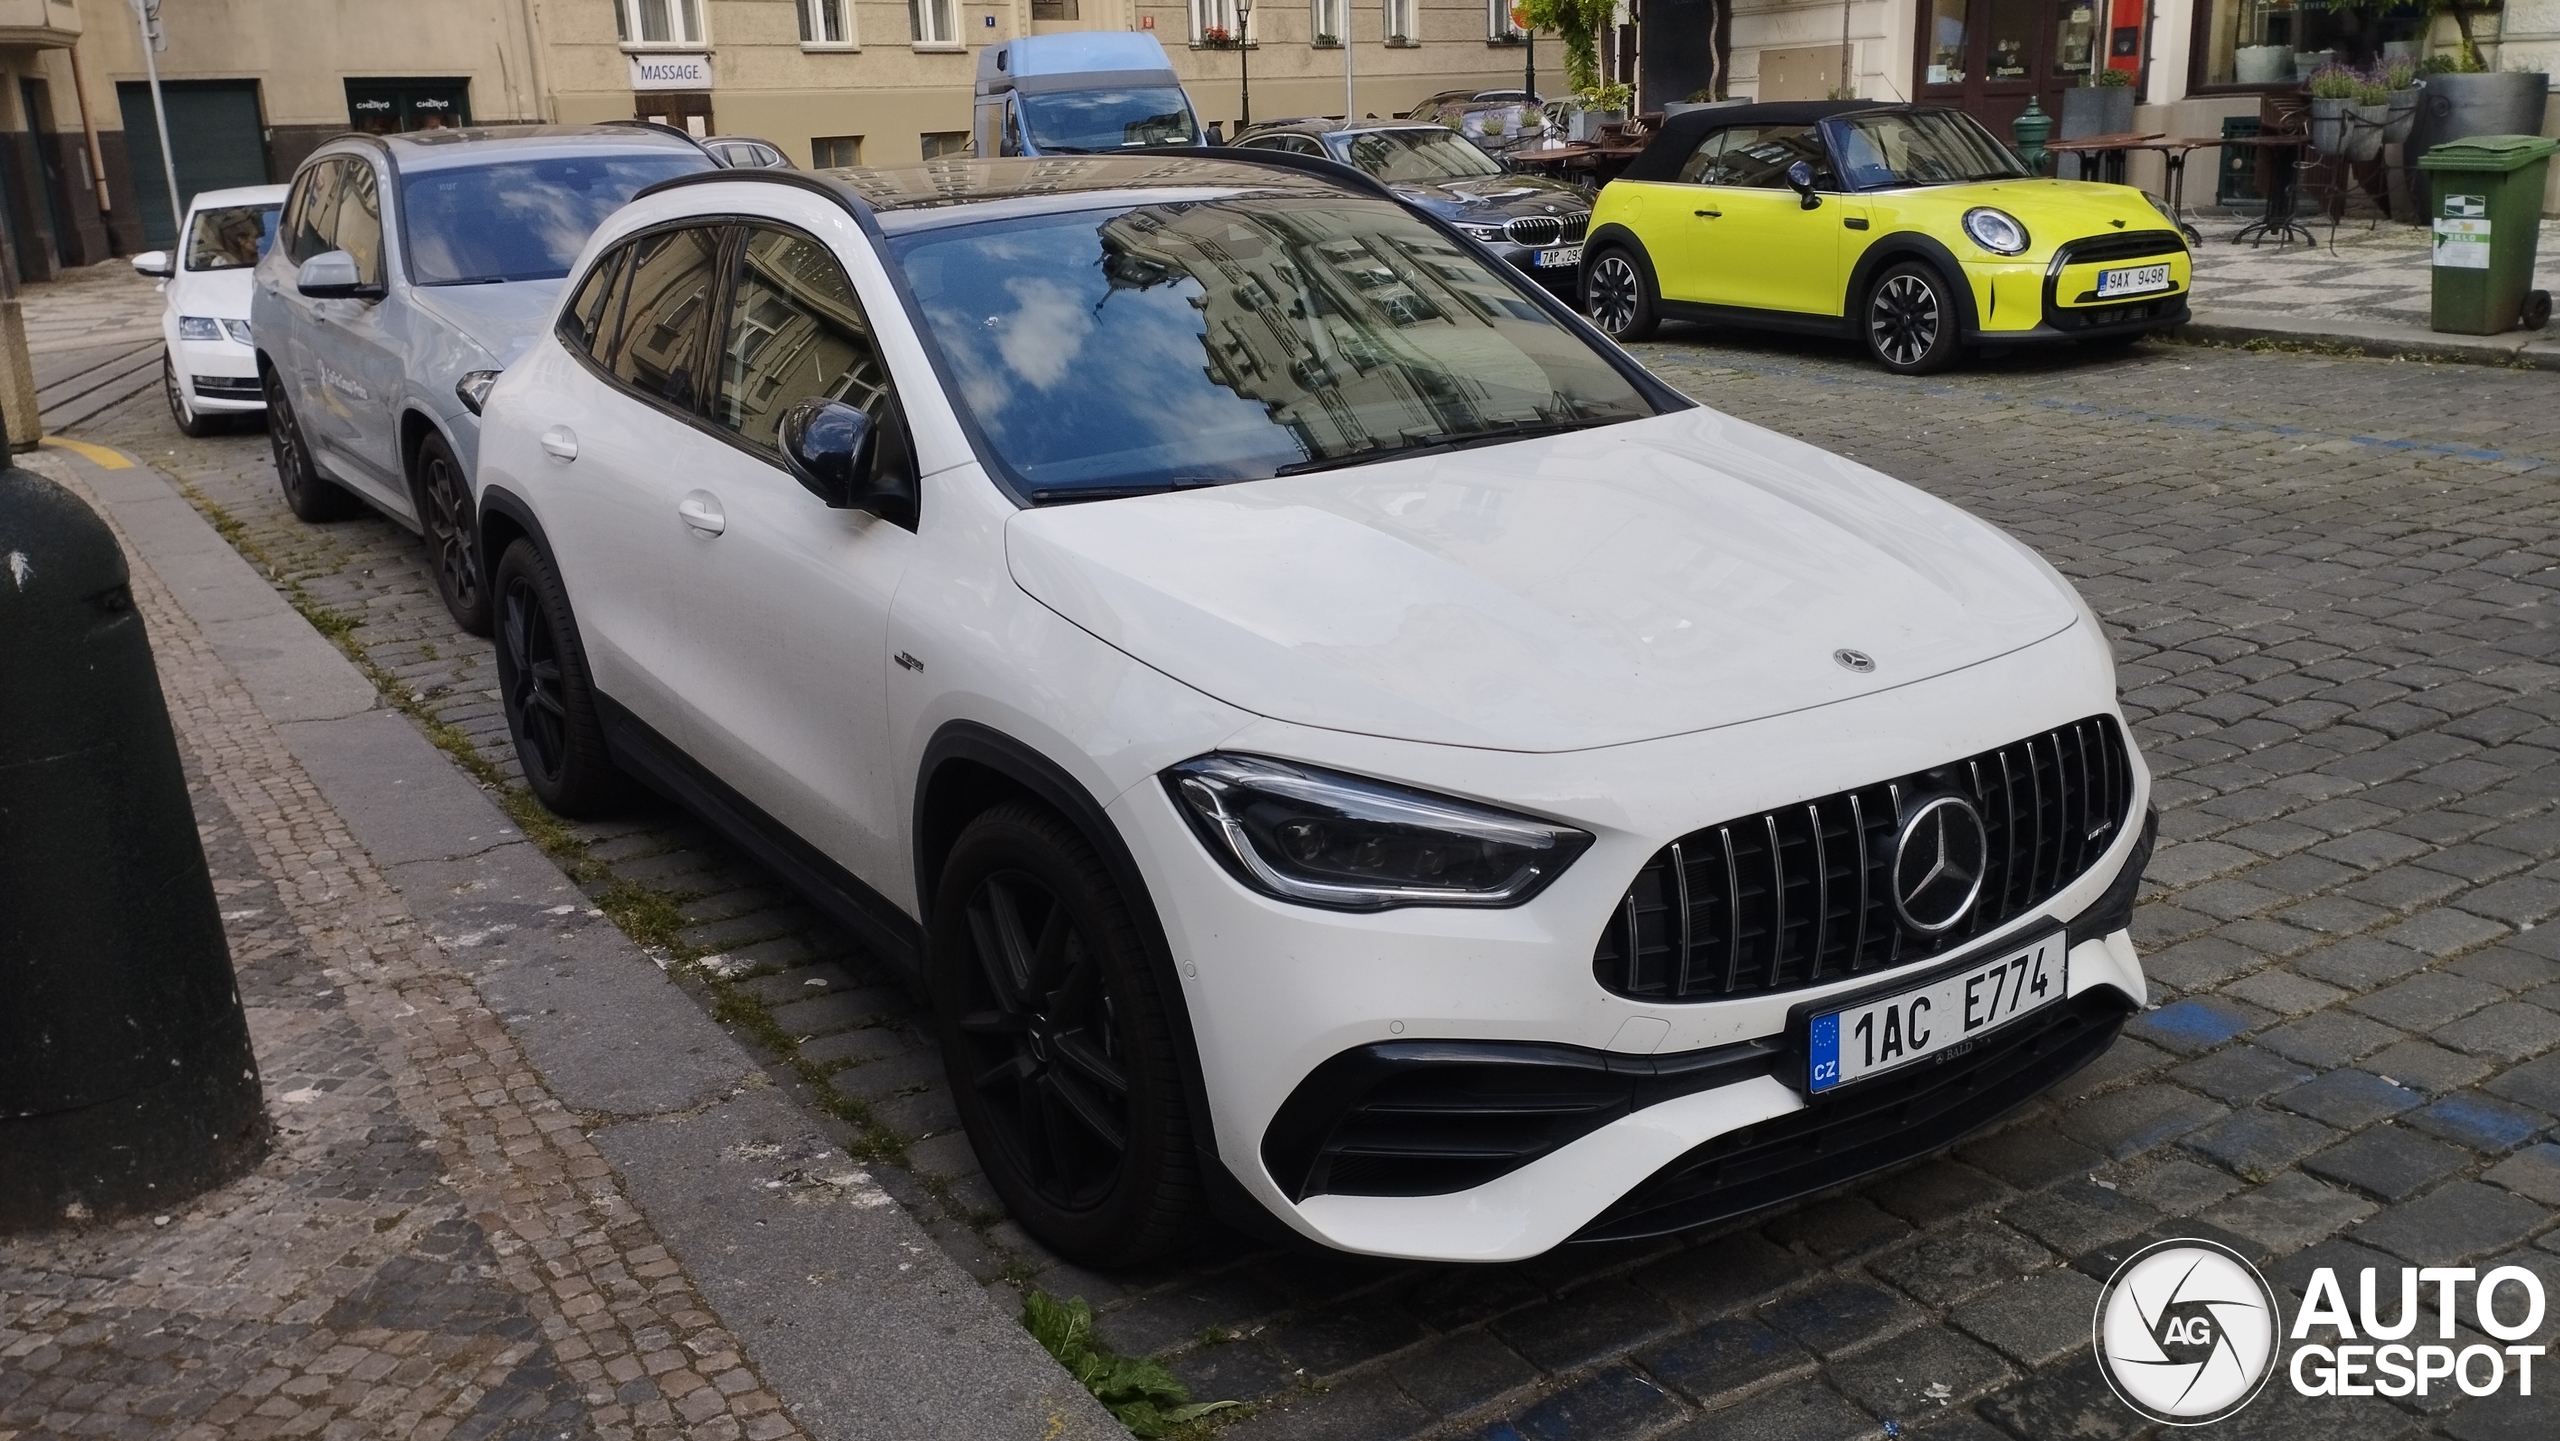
[190,424]
[1617,293]
[310,498]
[1909,319]
[447,517]
[548,697]
[1057,1042]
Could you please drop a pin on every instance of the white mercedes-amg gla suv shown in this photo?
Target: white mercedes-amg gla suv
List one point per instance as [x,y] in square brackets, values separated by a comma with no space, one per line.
[1335,740]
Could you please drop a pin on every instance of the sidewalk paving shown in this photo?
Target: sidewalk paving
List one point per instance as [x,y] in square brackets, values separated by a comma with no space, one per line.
[514,1169]
[2369,292]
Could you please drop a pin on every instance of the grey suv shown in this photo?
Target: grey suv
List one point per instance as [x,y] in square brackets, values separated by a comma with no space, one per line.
[408,270]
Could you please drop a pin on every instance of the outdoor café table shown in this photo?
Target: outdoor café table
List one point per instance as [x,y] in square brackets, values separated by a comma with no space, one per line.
[2109,148]
[2278,224]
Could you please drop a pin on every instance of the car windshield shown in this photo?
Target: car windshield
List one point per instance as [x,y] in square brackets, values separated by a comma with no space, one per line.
[1412,155]
[1930,147]
[1083,121]
[520,219]
[1153,347]
[231,237]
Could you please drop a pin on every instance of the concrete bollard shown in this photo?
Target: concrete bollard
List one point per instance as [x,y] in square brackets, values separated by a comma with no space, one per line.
[126,1078]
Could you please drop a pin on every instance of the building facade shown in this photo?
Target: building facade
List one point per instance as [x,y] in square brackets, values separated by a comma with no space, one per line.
[250,87]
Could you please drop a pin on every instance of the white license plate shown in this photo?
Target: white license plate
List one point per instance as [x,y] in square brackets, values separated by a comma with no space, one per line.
[2134,281]
[1948,1014]
[1559,256]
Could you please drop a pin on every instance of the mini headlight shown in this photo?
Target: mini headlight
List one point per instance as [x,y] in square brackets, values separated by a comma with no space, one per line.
[2163,207]
[1995,230]
[1322,839]
[474,389]
[238,330]
[197,327]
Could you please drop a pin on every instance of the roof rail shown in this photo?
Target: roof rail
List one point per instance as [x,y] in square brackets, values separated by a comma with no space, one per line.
[662,128]
[835,190]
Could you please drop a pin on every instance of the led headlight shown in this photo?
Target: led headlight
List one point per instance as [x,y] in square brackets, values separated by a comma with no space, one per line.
[1322,839]
[197,327]
[1995,230]
[473,389]
[1487,233]
[238,330]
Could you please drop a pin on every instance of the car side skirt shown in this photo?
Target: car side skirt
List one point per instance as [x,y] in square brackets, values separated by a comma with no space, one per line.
[872,917]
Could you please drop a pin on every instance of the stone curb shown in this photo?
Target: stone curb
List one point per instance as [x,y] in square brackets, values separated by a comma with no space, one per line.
[2539,349]
[853,1315]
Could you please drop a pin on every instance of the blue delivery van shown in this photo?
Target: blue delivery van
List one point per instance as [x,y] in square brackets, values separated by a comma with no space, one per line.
[1085,92]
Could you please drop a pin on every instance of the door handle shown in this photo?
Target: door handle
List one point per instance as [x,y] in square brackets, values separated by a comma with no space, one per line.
[560,442]
[700,509]
[1712,214]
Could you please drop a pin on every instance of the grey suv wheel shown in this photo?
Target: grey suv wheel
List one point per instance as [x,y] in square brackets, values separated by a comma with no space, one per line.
[309,497]
[453,535]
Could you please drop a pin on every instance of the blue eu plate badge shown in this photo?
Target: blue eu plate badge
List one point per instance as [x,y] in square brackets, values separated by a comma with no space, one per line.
[1826,1052]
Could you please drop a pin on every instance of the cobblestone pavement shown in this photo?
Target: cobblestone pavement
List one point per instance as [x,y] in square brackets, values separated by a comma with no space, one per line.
[431,1250]
[2372,271]
[2330,582]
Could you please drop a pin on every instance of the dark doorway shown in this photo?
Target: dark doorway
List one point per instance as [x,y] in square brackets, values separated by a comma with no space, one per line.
[686,110]
[387,107]
[216,136]
[1681,42]
[1987,57]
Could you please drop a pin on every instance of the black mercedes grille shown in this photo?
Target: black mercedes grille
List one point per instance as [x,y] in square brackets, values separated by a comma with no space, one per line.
[2132,245]
[1804,895]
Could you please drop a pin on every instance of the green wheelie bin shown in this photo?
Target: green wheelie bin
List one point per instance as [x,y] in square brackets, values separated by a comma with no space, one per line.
[2488,198]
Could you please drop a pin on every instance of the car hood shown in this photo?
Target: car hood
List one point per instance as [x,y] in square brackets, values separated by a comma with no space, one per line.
[1503,195]
[221,294]
[1613,585]
[2054,210]
[501,319]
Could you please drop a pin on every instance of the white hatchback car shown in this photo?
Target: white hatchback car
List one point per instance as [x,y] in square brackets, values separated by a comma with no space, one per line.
[1334,738]
[210,368]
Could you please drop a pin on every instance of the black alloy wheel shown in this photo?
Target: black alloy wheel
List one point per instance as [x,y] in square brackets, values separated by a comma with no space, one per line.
[1911,321]
[1619,297]
[1059,1053]
[543,685]
[309,497]
[190,424]
[453,535]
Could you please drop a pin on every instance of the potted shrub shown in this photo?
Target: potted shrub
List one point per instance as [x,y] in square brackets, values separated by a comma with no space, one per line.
[2099,105]
[2400,76]
[2333,89]
[2262,64]
[2371,117]
[1217,37]
[1599,106]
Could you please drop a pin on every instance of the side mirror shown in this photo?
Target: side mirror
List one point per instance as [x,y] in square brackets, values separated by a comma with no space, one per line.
[157,263]
[1800,175]
[332,275]
[831,448]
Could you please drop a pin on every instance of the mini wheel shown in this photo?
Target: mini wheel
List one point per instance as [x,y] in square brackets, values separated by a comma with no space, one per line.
[1618,296]
[1909,320]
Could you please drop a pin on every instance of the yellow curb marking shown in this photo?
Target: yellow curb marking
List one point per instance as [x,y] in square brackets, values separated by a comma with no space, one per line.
[98,455]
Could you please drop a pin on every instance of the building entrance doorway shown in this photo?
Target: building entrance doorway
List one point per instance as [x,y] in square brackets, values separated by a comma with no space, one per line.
[686,110]
[1986,57]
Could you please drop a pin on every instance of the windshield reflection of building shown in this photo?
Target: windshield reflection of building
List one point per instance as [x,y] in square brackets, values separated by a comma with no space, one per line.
[1321,321]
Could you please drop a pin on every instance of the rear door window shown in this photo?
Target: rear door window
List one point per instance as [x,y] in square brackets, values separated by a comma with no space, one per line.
[582,321]
[666,315]
[359,228]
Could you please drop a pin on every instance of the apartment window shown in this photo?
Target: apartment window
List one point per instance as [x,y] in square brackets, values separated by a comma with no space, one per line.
[1054,10]
[1213,20]
[1498,24]
[1325,18]
[823,22]
[658,22]
[938,143]
[1400,22]
[826,152]
[937,21]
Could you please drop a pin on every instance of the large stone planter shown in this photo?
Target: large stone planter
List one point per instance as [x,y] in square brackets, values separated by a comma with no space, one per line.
[1587,124]
[2262,64]
[2091,110]
[2456,107]
[2329,125]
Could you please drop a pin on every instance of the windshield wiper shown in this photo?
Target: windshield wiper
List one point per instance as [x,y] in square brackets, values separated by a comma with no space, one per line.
[1448,441]
[1068,494]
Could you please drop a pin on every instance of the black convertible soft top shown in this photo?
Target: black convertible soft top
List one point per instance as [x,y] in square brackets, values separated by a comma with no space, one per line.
[1679,135]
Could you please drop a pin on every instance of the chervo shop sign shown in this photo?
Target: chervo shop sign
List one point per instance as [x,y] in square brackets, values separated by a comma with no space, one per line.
[670,72]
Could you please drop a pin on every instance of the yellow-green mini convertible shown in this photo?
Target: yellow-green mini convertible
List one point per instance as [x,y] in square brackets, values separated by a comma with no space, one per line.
[1905,226]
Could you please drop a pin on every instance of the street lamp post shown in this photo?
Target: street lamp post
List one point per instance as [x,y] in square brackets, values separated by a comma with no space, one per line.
[1244,59]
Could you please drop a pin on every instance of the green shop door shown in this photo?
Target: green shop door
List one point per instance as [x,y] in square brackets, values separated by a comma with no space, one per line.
[217,136]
